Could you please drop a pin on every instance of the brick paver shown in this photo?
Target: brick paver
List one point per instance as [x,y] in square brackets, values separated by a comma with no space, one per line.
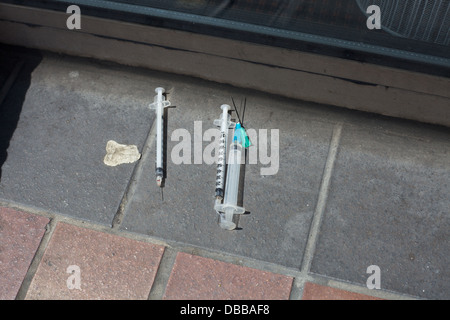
[314,291]
[86,264]
[195,277]
[20,235]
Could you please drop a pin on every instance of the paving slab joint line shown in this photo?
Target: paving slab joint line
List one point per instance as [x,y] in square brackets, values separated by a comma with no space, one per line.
[49,229]
[165,267]
[340,284]
[322,199]
[377,293]
[131,187]
[238,260]
[29,209]
[299,282]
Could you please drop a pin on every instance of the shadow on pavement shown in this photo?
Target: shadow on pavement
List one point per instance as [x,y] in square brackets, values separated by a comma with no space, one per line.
[16,68]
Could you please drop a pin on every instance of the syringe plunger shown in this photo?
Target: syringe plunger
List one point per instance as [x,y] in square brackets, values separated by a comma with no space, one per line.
[224,122]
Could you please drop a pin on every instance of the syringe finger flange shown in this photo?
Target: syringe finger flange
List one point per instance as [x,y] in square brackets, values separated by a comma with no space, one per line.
[222,208]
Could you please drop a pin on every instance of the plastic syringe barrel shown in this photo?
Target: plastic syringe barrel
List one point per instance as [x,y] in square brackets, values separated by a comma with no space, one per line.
[232,184]
[229,206]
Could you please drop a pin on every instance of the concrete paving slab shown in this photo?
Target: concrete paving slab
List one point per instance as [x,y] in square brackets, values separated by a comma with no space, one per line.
[62,114]
[387,203]
[280,206]
[20,236]
[388,206]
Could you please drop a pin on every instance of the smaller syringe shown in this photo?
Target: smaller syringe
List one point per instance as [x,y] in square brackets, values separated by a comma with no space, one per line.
[229,206]
[159,103]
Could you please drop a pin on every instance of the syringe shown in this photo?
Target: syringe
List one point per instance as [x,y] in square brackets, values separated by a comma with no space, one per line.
[224,123]
[229,206]
[159,103]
